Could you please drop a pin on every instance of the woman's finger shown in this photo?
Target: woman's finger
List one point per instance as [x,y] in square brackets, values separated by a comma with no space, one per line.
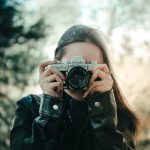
[50,87]
[58,79]
[44,64]
[100,89]
[55,77]
[53,85]
[103,67]
[50,71]
[94,84]
[96,74]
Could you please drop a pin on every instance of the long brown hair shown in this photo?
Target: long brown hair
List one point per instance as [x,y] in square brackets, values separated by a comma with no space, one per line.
[128,122]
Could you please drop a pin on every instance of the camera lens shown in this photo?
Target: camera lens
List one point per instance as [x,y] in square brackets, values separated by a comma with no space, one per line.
[78,78]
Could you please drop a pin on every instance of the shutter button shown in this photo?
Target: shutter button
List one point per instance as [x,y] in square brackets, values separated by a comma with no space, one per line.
[55,107]
[97,104]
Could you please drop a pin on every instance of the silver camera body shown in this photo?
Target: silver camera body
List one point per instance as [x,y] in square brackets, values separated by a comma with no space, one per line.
[76,71]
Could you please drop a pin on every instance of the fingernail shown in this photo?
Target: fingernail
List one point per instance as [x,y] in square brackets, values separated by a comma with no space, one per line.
[64,78]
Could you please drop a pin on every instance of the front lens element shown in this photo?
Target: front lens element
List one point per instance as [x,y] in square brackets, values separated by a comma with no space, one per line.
[78,78]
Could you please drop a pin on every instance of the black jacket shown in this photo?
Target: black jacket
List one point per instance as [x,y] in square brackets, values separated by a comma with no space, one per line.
[68,125]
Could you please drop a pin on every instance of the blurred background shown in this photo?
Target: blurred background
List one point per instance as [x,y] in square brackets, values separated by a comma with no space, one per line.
[30,29]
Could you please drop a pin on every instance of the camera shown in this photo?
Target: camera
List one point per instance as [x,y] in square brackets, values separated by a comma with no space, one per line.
[76,71]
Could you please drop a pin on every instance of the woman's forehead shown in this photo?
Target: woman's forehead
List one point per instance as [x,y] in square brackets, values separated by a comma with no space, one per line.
[87,50]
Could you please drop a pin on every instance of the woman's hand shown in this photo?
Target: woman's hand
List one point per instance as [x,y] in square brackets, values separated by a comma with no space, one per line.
[50,80]
[105,84]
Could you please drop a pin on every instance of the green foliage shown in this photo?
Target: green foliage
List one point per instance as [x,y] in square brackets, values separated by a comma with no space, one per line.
[19,55]
[23,33]
[19,50]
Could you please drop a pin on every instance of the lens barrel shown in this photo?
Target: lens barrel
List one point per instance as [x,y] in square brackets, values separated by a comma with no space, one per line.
[77,78]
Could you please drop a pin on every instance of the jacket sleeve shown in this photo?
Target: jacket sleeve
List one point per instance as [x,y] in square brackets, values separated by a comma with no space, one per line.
[103,118]
[32,133]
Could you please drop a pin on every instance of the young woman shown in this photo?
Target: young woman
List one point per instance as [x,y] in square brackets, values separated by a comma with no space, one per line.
[93,118]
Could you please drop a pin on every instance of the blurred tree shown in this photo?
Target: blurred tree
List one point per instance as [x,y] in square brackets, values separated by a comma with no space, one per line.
[18,46]
[18,58]
[127,18]
[25,27]
[122,21]
[128,14]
